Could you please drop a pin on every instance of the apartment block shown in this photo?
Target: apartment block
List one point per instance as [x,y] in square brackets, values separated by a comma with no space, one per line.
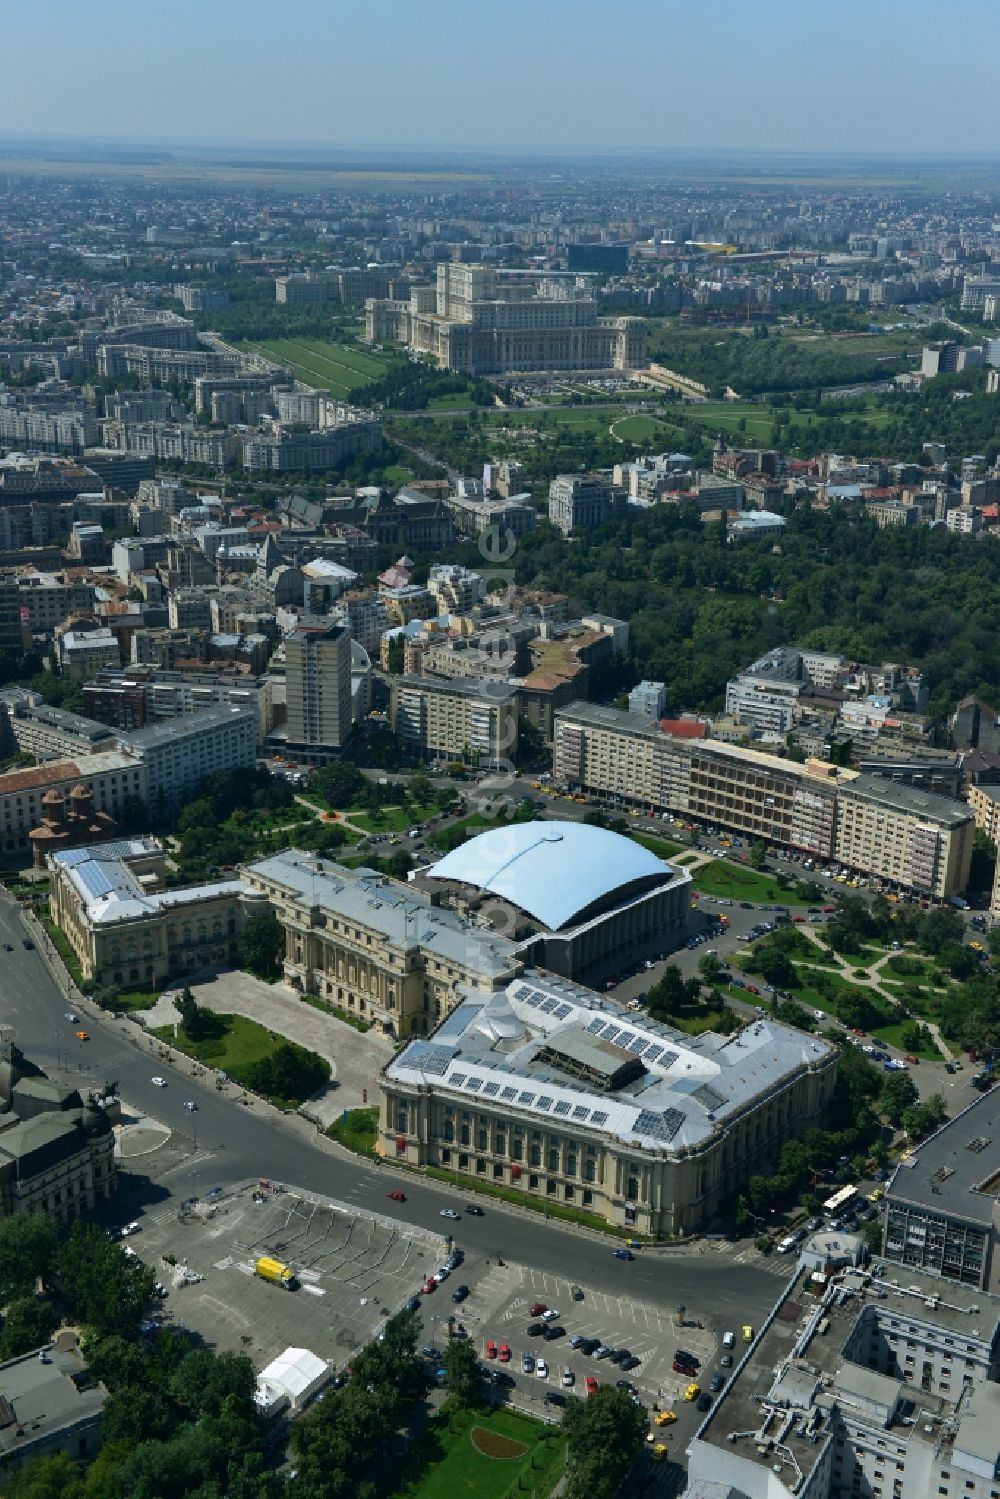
[901,833]
[904,834]
[82,653]
[50,598]
[318,692]
[456,720]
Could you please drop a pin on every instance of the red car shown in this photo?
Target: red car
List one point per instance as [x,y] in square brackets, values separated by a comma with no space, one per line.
[504,1353]
[909,1057]
[491,1349]
[537,1308]
[828,909]
[396,1196]
[752,989]
[798,918]
[591,1385]
[428,1287]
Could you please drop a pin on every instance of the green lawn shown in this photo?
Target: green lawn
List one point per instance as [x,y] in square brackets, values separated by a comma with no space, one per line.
[658,846]
[739,883]
[242,1041]
[444,1461]
[341,368]
[637,428]
[476,822]
[358,1132]
[390,819]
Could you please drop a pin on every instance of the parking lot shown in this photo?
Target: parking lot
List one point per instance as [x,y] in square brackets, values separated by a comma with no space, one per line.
[354,1269]
[498,1310]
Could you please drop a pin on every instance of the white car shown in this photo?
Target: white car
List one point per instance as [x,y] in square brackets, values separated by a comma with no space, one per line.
[159,1082]
[445,1212]
[441,1275]
[542,1369]
[551,1315]
[190,1105]
[71,1017]
[130,1228]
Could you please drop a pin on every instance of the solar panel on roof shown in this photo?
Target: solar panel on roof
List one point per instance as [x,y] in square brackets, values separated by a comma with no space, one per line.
[545,1102]
[611,1032]
[562,1012]
[491,1090]
[508,1094]
[473,1085]
[580,1112]
[639,1044]
[669,1058]
[709,1096]
[549,1004]
[659,1126]
[527,1099]
[457,1079]
[429,1059]
[598,1117]
[596,1027]
[651,1053]
[562,1107]
[625,1039]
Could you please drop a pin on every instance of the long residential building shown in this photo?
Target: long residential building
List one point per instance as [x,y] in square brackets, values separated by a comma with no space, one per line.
[176,756]
[454,720]
[903,834]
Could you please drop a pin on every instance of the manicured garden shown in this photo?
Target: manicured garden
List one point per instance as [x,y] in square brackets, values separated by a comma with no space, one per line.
[733,881]
[251,1056]
[479,1454]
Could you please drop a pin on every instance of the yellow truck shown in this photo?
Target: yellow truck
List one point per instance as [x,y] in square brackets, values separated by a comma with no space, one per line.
[277,1273]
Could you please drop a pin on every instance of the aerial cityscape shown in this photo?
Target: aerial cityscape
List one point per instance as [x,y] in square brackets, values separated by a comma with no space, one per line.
[499,755]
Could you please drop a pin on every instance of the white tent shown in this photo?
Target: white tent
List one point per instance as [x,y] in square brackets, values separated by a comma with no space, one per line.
[294,1375]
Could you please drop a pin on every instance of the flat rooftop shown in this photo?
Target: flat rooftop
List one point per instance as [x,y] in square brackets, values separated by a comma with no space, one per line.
[957,1171]
[45,1398]
[798,1368]
[904,798]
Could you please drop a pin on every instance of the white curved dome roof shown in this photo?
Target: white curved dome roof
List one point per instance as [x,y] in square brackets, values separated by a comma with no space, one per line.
[552,870]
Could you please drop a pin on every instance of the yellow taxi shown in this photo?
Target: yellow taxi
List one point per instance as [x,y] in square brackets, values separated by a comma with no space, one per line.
[692,1392]
[665,1418]
[747,1333]
[83,1036]
[659,1451]
[876,1196]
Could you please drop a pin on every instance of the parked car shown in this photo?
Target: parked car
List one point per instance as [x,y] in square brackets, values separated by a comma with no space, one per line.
[503,1353]
[537,1308]
[591,1385]
[459,1294]
[527,1363]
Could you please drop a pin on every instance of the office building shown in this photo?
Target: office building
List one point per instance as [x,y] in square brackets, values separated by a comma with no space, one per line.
[515,516]
[318,692]
[942,1209]
[314,452]
[904,835]
[464,719]
[860,1382]
[572,898]
[579,502]
[598,259]
[126,929]
[374,947]
[550,1088]
[176,756]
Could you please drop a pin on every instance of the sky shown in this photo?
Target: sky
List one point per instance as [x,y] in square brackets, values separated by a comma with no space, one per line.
[879,76]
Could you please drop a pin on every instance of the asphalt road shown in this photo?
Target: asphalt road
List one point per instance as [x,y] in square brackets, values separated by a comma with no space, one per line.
[228,1142]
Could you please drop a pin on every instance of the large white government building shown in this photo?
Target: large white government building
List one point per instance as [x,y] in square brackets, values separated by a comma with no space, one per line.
[550,1088]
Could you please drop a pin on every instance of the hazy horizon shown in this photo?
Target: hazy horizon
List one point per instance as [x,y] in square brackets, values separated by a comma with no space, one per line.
[654,77]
